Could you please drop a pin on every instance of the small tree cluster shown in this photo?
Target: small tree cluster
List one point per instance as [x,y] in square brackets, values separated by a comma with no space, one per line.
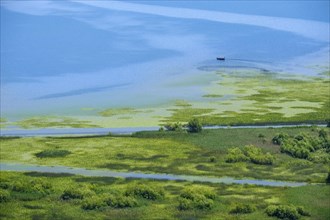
[327,180]
[242,209]
[289,212]
[36,186]
[114,201]
[174,127]
[146,192]
[194,126]
[302,145]
[249,153]
[196,198]
[53,153]
[93,203]
[72,193]
[120,201]
[4,196]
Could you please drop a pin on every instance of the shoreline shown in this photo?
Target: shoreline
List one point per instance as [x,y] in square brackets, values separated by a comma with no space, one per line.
[44,132]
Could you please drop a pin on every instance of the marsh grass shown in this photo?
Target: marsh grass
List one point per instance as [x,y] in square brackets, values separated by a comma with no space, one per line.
[106,199]
[54,122]
[171,152]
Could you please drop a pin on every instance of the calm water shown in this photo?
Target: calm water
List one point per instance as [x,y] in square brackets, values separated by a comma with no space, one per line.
[109,173]
[58,57]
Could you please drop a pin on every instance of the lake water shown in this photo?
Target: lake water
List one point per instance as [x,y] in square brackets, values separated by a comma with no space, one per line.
[58,57]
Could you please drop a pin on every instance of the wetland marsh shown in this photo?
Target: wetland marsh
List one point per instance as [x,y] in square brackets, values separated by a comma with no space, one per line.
[80,80]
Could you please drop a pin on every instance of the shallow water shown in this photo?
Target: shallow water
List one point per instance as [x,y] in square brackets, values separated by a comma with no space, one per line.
[129,130]
[62,57]
[157,176]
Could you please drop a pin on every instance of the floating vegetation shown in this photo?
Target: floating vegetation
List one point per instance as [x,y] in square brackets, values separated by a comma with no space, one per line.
[54,122]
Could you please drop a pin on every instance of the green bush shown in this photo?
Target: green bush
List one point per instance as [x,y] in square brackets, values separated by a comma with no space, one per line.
[121,201]
[93,203]
[327,180]
[146,192]
[283,212]
[212,159]
[34,186]
[302,211]
[174,127]
[303,145]
[72,193]
[257,156]
[242,209]
[4,196]
[279,138]
[194,126]
[196,198]
[249,153]
[185,204]
[235,155]
[53,153]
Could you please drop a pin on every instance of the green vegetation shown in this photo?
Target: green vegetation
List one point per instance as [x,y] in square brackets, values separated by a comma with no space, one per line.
[117,198]
[243,209]
[196,198]
[304,146]
[54,122]
[146,192]
[228,97]
[249,153]
[174,127]
[203,153]
[118,111]
[194,126]
[286,212]
[278,99]
[35,195]
[53,153]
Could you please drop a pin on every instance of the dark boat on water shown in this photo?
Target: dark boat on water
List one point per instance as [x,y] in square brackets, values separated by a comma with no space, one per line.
[221,58]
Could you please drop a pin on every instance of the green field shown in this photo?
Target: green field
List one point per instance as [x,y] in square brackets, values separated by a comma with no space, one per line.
[33,195]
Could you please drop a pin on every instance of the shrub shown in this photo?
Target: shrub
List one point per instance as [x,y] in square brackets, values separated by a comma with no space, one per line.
[283,212]
[302,211]
[302,145]
[194,126]
[121,201]
[212,159]
[279,138]
[174,127]
[53,153]
[185,204]
[196,197]
[146,192]
[323,134]
[235,155]
[242,209]
[249,153]
[261,135]
[36,186]
[72,193]
[327,180]
[4,196]
[93,203]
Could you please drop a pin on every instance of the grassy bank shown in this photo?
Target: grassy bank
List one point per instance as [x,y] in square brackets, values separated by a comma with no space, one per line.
[59,196]
[172,152]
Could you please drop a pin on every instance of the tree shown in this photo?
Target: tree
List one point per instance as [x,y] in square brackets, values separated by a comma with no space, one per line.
[194,126]
[328,178]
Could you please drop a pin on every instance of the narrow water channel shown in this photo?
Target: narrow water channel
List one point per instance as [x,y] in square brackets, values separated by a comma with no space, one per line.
[129,130]
[157,176]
